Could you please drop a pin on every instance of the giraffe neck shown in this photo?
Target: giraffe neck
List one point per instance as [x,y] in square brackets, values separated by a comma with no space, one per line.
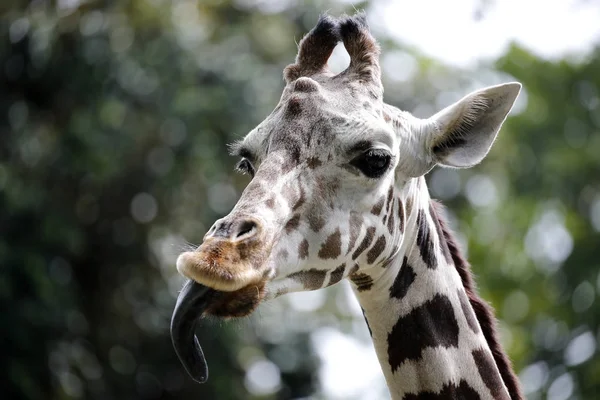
[427,335]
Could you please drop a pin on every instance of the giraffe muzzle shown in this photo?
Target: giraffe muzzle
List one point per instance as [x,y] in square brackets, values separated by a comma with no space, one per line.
[231,256]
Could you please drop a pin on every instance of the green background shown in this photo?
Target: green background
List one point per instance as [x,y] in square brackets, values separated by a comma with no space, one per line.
[114,120]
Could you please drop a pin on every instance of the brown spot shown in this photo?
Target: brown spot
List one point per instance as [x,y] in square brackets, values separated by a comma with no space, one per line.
[468,311]
[270,203]
[301,200]
[354,225]
[292,224]
[337,275]
[490,375]
[366,242]
[386,117]
[313,162]
[376,210]
[376,250]
[292,154]
[283,254]
[390,222]
[432,324]
[449,391]
[390,196]
[362,281]
[400,215]
[294,107]
[311,279]
[425,240]
[303,249]
[315,221]
[332,248]
[403,280]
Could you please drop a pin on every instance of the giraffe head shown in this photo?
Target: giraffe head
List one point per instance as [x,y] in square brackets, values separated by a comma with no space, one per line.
[325,166]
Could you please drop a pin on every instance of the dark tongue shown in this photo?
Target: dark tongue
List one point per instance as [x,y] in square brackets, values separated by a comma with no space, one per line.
[191,303]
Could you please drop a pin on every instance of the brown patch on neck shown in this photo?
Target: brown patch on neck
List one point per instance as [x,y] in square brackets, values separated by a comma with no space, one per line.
[391,220]
[292,224]
[362,281]
[315,221]
[376,210]
[337,275]
[313,162]
[332,247]
[483,312]
[376,250]
[303,249]
[401,215]
[390,196]
[366,242]
[311,279]
[491,379]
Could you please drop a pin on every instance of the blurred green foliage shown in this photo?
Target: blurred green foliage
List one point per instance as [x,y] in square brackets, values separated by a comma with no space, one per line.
[114,120]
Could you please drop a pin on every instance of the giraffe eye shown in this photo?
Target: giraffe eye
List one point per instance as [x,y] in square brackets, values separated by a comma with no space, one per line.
[373,163]
[245,167]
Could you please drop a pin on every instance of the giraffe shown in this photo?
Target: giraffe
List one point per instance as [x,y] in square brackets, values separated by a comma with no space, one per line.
[338,192]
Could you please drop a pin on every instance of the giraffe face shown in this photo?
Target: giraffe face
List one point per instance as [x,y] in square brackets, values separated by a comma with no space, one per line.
[320,202]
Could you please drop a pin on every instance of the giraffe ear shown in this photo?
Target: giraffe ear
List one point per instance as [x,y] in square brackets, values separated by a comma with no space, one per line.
[462,134]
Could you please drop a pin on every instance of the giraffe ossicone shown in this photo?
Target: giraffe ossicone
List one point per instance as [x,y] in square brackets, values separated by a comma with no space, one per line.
[337,192]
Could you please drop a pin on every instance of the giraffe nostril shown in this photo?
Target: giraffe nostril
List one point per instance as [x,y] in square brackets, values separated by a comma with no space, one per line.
[246,229]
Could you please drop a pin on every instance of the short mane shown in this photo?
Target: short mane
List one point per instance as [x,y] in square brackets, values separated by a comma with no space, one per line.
[483,311]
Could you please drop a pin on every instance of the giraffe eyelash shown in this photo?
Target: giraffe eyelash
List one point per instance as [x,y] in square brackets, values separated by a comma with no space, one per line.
[244,166]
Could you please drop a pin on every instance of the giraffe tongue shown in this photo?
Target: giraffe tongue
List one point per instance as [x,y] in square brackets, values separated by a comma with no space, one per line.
[191,303]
